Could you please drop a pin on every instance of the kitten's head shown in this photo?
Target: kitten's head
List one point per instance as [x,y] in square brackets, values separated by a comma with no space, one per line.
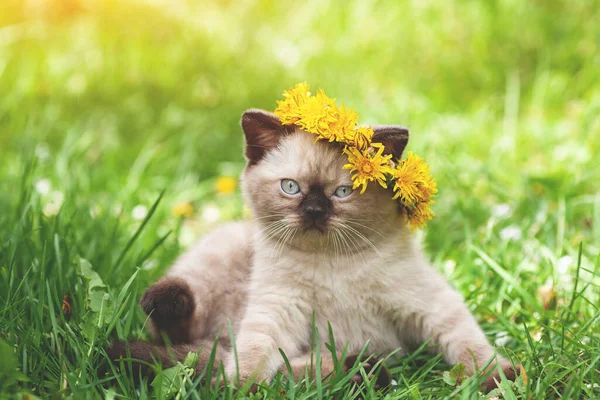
[299,193]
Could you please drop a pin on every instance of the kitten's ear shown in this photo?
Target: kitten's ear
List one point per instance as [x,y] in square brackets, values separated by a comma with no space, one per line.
[393,137]
[263,131]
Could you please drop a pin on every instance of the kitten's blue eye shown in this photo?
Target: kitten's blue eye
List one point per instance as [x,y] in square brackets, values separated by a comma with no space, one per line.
[289,186]
[343,191]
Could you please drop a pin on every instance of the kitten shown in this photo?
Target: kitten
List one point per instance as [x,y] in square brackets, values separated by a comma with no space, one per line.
[315,247]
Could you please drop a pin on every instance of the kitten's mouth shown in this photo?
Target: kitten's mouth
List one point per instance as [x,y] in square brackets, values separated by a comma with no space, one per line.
[315,228]
[311,224]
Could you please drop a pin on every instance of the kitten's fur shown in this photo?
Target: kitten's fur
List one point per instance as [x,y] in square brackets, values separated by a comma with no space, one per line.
[351,261]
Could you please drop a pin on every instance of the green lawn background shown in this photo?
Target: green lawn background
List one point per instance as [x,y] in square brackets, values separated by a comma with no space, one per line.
[106,104]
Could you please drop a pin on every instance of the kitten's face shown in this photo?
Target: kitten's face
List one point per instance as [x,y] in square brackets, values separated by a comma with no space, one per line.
[303,198]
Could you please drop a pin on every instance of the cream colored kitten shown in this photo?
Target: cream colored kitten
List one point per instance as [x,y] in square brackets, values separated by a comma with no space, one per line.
[316,248]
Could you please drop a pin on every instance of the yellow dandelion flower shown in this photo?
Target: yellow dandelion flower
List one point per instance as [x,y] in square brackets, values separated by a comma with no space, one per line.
[342,128]
[413,181]
[289,109]
[318,113]
[184,210]
[419,215]
[225,184]
[300,91]
[368,166]
[415,187]
[361,137]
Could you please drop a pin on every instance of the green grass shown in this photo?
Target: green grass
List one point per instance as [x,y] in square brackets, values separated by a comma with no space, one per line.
[108,106]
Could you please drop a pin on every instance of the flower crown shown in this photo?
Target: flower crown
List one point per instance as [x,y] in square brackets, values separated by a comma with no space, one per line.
[410,178]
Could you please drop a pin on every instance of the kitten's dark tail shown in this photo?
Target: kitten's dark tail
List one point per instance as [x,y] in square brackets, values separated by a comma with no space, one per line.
[144,355]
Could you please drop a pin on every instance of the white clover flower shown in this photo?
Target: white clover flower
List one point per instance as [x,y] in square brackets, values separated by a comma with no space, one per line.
[51,209]
[42,151]
[43,186]
[502,339]
[139,212]
[563,264]
[54,203]
[187,236]
[449,266]
[501,211]
[511,233]
[211,214]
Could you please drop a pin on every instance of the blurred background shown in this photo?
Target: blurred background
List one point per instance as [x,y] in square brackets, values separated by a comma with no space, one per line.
[156,88]
[105,104]
[502,97]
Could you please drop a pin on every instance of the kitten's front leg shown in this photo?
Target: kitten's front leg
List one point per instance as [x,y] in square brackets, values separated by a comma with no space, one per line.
[267,326]
[439,314]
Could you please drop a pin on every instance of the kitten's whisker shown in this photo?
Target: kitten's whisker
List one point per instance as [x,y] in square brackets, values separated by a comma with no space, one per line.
[379,217]
[385,221]
[355,244]
[270,228]
[283,240]
[336,227]
[348,241]
[350,234]
[363,237]
[340,254]
[275,234]
[290,237]
[274,248]
[335,246]
[343,246]
[329,245]
[269,216]
[279,221]
[295,230]
[349,221]
[271,232]
[339,241]
[345,242]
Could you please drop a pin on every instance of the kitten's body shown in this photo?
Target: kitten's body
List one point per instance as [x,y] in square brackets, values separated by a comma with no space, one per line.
[353,264]
[218,270]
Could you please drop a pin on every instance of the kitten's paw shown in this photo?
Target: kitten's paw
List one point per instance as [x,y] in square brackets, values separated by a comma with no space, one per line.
[168,301]
[117,350]
[372,368]
[140,354]
[511,372]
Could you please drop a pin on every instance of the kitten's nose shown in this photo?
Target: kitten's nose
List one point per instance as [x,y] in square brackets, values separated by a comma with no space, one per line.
[315,208]
[314,213]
